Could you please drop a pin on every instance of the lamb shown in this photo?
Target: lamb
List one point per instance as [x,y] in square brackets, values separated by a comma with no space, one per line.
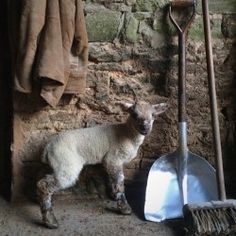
[112,145]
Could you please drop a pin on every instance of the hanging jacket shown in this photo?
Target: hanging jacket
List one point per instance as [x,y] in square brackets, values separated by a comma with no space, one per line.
[49,47]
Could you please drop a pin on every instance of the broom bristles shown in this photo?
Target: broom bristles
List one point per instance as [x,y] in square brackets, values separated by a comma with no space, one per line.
[211,218]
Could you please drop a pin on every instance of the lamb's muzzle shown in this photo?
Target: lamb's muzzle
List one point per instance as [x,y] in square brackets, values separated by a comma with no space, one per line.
[112,145]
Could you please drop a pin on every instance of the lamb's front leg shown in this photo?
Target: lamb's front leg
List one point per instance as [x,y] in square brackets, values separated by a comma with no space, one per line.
[116,179]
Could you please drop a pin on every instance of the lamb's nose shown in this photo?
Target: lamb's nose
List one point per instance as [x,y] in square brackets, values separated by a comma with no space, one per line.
[145,125]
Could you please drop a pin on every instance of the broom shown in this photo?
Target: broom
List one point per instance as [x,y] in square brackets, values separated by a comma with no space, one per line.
[216,217]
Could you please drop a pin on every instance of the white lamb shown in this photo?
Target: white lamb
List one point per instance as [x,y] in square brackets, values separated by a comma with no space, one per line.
[112,145]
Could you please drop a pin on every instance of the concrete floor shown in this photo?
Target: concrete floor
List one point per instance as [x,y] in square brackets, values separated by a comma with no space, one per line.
[80,217]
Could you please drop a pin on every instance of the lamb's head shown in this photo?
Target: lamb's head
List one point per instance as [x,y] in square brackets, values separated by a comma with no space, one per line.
[143,114]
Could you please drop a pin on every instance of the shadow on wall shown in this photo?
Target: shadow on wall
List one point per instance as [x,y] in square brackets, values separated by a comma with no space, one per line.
[5,106]
[160,68]
[163,84]
[229,144]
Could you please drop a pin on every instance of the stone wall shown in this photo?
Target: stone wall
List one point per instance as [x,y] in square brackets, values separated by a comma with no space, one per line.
[133,49]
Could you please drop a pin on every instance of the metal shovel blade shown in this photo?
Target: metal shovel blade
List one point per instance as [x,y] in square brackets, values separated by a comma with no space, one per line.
[164,195]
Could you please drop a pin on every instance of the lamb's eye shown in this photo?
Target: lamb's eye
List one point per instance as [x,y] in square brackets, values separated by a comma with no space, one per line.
[141,121]
[134,115]
[154,116]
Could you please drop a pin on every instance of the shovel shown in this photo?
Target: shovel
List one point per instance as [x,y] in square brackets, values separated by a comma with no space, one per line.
[181,177]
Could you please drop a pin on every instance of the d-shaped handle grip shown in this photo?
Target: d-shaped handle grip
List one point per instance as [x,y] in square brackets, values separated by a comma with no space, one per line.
[182,3]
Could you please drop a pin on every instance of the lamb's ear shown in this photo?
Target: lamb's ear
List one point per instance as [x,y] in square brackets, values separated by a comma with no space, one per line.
[125,105]
[159,108]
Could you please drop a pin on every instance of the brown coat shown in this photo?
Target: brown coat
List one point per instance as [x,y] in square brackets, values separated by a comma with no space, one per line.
[46,36]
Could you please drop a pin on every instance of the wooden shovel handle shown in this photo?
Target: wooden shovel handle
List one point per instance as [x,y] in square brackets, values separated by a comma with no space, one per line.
[182,31]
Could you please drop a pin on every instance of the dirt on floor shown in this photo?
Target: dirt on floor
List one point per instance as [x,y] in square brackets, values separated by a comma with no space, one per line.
[83,216]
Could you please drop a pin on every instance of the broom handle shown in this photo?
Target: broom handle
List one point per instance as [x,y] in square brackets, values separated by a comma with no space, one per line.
[213,102]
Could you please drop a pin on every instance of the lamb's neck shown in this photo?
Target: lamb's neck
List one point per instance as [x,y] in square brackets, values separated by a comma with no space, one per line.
[133,133]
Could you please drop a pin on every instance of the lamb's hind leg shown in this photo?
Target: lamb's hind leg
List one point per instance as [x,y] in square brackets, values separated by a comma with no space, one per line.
[116,179]
[46,187]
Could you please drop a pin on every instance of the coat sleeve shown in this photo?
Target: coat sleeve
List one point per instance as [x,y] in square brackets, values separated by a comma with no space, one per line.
[81,38]
[79,53]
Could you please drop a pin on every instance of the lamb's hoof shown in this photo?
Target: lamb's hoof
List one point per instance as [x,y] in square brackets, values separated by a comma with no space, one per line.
[125,209]
[50,221]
